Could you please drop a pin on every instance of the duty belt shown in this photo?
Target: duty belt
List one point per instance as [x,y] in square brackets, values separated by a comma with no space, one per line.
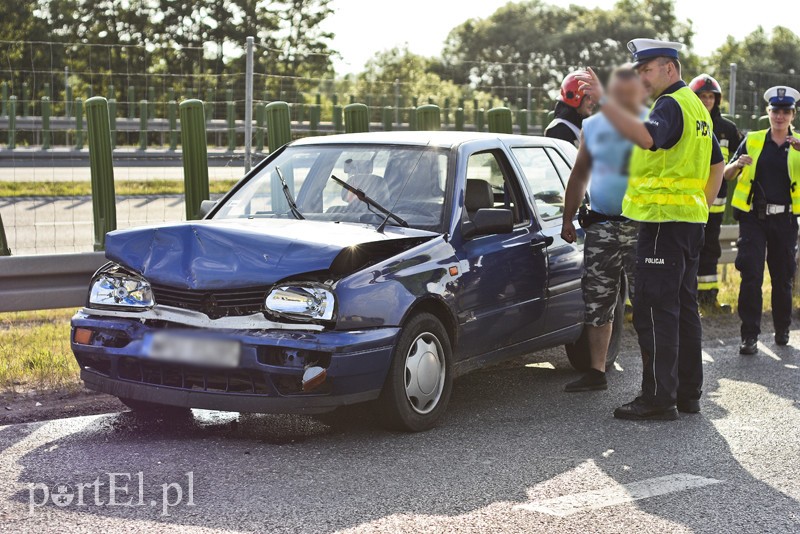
[776,209]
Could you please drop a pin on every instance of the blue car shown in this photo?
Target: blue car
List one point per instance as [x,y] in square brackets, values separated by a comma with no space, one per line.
[341,270]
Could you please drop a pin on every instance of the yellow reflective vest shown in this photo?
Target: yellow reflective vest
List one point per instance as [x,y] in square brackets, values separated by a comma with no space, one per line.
[668,185]
[743,194]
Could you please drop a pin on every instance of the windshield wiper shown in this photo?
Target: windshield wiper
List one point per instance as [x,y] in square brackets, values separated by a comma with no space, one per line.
[288,194]
[363,197]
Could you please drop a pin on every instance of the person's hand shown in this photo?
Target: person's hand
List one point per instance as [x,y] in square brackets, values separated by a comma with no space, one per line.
[568,232]
[744,160]
[795,142]
[590,85]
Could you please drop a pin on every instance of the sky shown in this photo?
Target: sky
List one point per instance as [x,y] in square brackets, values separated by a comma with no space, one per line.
[364,27]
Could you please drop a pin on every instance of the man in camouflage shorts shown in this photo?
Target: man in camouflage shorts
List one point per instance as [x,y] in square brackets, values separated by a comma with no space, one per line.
[610,246]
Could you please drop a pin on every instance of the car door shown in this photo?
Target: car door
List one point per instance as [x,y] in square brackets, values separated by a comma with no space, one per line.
[546,172]
[501,288]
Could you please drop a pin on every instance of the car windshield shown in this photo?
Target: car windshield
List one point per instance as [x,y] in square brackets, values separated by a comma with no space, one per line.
[409,181]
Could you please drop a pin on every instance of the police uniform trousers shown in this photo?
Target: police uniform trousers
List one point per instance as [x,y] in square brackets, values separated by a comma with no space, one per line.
[774,237]
[665,311]
[710,254]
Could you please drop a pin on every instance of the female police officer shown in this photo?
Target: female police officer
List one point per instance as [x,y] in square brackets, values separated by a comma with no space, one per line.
[767,202]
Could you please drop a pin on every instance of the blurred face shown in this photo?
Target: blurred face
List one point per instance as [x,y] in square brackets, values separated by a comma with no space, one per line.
[708,99]
[780,118]
[628,93]
[655,76]
[587,107]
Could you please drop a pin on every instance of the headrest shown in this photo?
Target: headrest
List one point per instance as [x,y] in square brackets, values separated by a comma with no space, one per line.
[358,166]
[479,195]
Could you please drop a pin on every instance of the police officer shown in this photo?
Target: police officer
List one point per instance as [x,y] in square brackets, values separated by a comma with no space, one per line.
[675,173]
[572,107]
[767,203]
[729,137]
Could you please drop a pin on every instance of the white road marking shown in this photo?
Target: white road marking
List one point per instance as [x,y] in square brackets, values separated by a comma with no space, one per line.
[615,495]
[791,366]
[541,365]
[618,367]
[768,352]
[707,357]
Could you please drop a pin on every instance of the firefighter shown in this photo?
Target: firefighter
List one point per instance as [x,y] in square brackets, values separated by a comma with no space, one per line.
[729,137]
[767,203]
[675,173]
[571,108]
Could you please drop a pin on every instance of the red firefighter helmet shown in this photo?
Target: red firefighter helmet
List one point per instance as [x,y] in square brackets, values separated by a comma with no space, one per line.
[571,92]
[705,83]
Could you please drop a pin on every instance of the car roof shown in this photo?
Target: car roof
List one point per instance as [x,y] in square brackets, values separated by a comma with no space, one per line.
[444,139]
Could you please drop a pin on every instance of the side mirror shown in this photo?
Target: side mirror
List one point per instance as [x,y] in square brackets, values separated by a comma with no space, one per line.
[205,207]
[489,221]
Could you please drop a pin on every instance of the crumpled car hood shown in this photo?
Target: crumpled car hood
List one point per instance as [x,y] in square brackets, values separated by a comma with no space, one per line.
[242,253]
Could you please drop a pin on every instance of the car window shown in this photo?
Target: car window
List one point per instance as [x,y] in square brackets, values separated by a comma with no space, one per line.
[543,179]
[563,169]
[492,167]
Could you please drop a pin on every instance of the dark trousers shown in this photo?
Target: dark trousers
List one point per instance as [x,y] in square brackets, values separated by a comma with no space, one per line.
[776,239]
[710,253]
[665,311]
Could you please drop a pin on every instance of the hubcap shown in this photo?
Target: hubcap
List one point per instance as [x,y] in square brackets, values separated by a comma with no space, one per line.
[425,373]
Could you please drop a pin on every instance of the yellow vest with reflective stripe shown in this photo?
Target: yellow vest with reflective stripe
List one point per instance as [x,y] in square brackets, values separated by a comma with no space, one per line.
[719,203]
[668,185]
[742,195]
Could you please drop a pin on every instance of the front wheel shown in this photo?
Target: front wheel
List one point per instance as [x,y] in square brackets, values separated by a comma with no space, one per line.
[420,379]
[578,352]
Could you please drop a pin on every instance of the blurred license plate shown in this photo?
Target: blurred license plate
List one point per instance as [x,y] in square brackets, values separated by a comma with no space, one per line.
[175,348]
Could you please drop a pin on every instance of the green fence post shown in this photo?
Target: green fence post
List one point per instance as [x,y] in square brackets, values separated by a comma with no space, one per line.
[104,206]
[131,102]
[151,98]
[24,100]
[12,122]
[500,120]
[479,117]
[4,250]
[412,118]
[231,117]
[459,119]
[112,121]
[68,102]
[171,94]
[209,104]
[356,118]
[475,107]
[78,124]
[172,117]
[388,118]
[279,125]
[195,156]
[447,111]
[337,119]
[314,117]
[261,113]
[429,117]
[143,125]
[46,108]
[111,96]
[522,121]
[318,99]
[301,108]
[3,99]
[47,91]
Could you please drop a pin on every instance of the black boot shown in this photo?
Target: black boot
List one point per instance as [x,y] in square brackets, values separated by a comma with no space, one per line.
[782,338]
[593,380]
[749,346]
[641,410]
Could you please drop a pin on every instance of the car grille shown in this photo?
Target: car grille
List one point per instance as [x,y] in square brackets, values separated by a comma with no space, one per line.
[215,304]
[201,379]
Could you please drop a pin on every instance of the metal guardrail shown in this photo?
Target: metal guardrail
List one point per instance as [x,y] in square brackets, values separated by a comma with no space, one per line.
[62,280]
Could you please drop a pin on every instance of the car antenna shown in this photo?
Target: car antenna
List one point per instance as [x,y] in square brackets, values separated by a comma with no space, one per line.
[382,226]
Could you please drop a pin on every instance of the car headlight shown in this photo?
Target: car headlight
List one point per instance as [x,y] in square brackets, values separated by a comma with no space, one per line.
[116,287]
[303,302]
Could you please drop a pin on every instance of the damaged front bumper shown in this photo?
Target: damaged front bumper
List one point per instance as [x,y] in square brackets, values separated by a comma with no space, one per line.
[114,359]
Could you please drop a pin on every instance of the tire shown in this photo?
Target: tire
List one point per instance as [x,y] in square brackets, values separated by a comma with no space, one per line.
[420,380]
[151,409]
[578,352]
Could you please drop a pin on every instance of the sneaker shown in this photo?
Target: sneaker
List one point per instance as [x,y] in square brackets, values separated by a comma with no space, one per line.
[749,346]
[593,380]
[689,405]
[782,338]
[641,410]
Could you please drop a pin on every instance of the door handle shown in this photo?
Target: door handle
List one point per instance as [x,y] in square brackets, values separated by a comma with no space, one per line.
[546,242]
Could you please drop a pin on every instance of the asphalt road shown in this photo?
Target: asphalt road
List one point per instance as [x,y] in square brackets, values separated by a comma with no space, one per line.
[514,454]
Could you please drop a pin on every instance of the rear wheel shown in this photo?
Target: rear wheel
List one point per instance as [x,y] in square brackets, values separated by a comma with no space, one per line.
[578,352]
[420,379]
[151,409]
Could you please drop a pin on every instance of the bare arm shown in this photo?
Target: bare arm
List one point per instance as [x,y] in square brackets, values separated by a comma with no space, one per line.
[576,191]
[714,181]
[733,168]
[627,124]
